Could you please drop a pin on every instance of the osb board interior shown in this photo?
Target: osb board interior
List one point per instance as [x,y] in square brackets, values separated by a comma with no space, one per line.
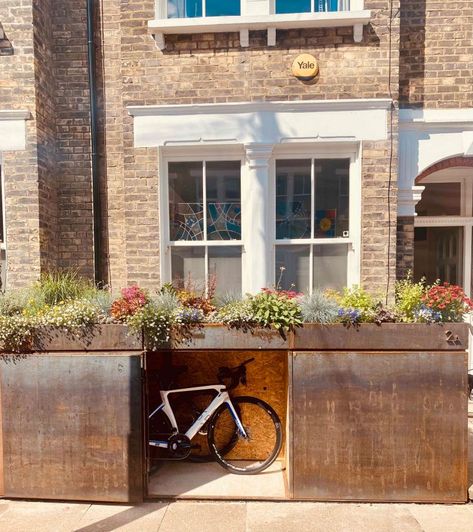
[266,380]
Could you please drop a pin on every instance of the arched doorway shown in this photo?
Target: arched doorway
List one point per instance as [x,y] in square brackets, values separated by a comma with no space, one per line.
[443,234]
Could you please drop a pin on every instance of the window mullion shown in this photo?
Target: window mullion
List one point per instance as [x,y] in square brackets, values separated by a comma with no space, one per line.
[312,198]
[204,8]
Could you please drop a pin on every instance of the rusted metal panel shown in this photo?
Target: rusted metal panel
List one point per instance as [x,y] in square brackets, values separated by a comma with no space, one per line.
[380,426]
[221,337]
[385,337]
[106,337]
[72,426]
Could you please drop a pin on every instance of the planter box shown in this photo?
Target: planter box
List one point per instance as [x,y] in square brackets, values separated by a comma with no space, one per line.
[375,413]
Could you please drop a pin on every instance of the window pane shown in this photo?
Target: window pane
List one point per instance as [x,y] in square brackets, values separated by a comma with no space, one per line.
[223,200]
[331,197]
[330,266]
[186,201]
[293,267]
[184,8]
[293,6]
[215,8]
[438,254]
[188,264]
[440,199]
[293,199]
[331,5]
[225,269]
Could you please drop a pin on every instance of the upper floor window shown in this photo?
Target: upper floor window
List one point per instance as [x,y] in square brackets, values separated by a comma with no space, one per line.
[311,6]
[203,8]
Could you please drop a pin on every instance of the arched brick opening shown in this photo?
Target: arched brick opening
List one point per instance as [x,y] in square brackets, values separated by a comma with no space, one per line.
[451,162]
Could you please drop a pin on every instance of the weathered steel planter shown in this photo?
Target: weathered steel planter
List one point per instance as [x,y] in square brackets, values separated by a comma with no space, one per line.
[377,413]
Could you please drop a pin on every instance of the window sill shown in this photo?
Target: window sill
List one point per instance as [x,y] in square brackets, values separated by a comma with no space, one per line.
[161,27]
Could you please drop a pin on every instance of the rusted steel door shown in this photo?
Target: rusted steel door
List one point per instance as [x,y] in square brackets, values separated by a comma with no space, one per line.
[72,426]
[380,426]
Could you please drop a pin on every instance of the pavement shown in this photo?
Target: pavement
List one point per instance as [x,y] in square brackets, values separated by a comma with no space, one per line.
[187,516]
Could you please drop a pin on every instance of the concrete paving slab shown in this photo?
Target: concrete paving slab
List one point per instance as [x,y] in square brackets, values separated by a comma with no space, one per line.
[108,517]
[184,516]
[443,518]
[329,517]
[184,479]
[32,516]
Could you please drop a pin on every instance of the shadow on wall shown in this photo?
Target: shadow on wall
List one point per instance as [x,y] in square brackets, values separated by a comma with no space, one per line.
[412,53]
[6,47]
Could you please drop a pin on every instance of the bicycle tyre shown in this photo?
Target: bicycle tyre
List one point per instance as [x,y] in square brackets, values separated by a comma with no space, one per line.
[240,404]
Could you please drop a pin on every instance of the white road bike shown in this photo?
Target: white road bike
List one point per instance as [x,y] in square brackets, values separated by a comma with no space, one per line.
[243,433]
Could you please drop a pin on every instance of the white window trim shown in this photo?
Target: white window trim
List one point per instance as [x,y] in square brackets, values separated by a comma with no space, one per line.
[464,220]
[13,130]
[258,15]
[289,151]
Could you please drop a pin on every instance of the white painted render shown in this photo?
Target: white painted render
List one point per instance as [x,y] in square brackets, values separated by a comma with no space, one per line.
[13,130]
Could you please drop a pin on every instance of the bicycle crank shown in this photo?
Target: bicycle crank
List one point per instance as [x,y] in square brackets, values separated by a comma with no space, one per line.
[179,446]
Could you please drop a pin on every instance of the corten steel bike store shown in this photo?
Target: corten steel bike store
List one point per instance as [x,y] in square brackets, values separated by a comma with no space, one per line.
[375,413]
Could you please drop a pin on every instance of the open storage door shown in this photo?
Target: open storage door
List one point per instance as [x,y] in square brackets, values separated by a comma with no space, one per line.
[267,379]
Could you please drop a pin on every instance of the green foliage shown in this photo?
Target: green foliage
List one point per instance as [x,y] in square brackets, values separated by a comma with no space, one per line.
[57,287]
[69,315]
[236,314]
[226,299]
[271,309]
[359,300]
[409,297]
[155,322]
[17,332]
[14,301]
[166,300]
[318,308]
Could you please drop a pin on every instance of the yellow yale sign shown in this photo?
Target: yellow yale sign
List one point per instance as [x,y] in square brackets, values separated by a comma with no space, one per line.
[305,67]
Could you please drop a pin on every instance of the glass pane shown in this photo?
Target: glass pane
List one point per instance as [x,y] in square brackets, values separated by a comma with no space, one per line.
[293,268]
[438,254]
[330,5]
[293,6]
[293,199]
[186,201]
[330,266]
[440,199]
[184,8]
[188,264]
[216,8]
[332,186]
[225,269]
[224,200]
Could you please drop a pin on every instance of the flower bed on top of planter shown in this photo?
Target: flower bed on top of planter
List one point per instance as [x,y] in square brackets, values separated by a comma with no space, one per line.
[70,305]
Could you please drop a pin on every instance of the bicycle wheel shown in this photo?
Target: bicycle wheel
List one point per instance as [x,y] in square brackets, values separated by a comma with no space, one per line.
[259,449]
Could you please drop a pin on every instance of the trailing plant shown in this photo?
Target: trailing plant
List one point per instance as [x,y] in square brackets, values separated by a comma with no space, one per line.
[69,315]
[449,301]
[275,309]
[154,322]
[350,316]
[318,308]
[133,298]
[424,314]
[17,332]
[409,296]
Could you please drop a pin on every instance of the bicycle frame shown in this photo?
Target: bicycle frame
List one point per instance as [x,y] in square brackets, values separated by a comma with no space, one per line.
[221,398]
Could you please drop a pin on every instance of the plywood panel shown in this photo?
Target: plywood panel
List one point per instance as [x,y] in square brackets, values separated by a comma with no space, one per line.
[266,376]
[72,427]
[380,427]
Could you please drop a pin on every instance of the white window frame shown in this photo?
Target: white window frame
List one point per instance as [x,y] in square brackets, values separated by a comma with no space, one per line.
[3,243]
[205,156]
[464,220]
[229,152]
[259,15]
[353,242]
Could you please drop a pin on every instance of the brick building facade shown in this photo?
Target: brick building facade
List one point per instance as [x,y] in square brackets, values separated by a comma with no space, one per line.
[176,91]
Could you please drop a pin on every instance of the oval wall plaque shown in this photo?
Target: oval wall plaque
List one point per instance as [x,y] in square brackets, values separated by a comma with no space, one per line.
[305,67]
